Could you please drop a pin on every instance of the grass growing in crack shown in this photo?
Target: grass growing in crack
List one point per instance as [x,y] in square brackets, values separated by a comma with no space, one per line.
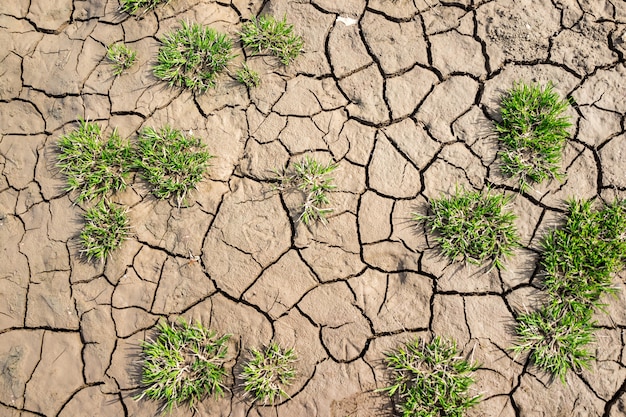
[183,365]
[265,34]
[121,56]
[579,260]
[472,226]
[248,77]
[268,372]
[533,132]
[193,56]
[133,6]
[312,178]
[431,379]
[556,338]
[106,227]
[94,166]
[173,163]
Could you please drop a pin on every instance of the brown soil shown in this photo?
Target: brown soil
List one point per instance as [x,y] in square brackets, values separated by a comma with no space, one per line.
[399,93]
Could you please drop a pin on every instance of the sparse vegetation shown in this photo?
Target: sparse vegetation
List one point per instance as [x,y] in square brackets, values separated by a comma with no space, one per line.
[193,56]
[106,227]
[173,163]
[533,132]
[268,372]
[183,365]
[133,6]
[94,166]
[248,77]
[472,226]
[312,178]
[121,56]
[265,34]
[431,379]
[579,260]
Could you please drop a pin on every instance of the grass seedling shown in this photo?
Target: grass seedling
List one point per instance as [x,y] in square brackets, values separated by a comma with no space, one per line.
[248,77]
[106,227]
[121,56]
[268,372]
[193,56]
[94,166]
[173,163]
[312,178]
[431,379]
[579,260]
[472,226]
[533,132]
[556,338]
[183,365]
[133,6]
[265,34]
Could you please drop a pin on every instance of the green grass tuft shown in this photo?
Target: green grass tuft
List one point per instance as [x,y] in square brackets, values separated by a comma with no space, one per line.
[133,6]
[183,365]
[94,166]
[248,77]
[533,132]
[121,56]
[193,56]
[579,260]
[173,163]
[268,372]
[106,227]
[313,179]
[431,379]
[265,34]
[472,226]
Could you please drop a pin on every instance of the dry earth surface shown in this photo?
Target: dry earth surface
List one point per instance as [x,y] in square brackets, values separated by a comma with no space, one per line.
[402,94]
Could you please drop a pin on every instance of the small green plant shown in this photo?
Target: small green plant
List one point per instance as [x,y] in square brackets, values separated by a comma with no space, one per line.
[431,379]
[183,365]
[248,77]
[265,34]
[106,227]
[268,372]
[193,56]
[473,226]
[121,56]
[133,6]
[172,162]
[579,260]
[94,166]
[556,338]
[533,132]
[312,178]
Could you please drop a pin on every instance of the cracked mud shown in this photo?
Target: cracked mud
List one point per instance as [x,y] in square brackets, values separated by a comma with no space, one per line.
[402,95]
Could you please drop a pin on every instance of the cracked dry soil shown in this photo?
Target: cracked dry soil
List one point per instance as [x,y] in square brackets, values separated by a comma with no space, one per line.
[402,94]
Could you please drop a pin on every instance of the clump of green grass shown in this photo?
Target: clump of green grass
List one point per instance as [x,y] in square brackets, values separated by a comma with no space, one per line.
[313,179]
[265,34]
[193,56]
[431,379]
[472,226]
[533,132]
[557,338]
[106,227]
[121,56]
[579,260]
[94,166]
[173,163]
[268,372]
[183,365]
[248,77]
[133,6]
